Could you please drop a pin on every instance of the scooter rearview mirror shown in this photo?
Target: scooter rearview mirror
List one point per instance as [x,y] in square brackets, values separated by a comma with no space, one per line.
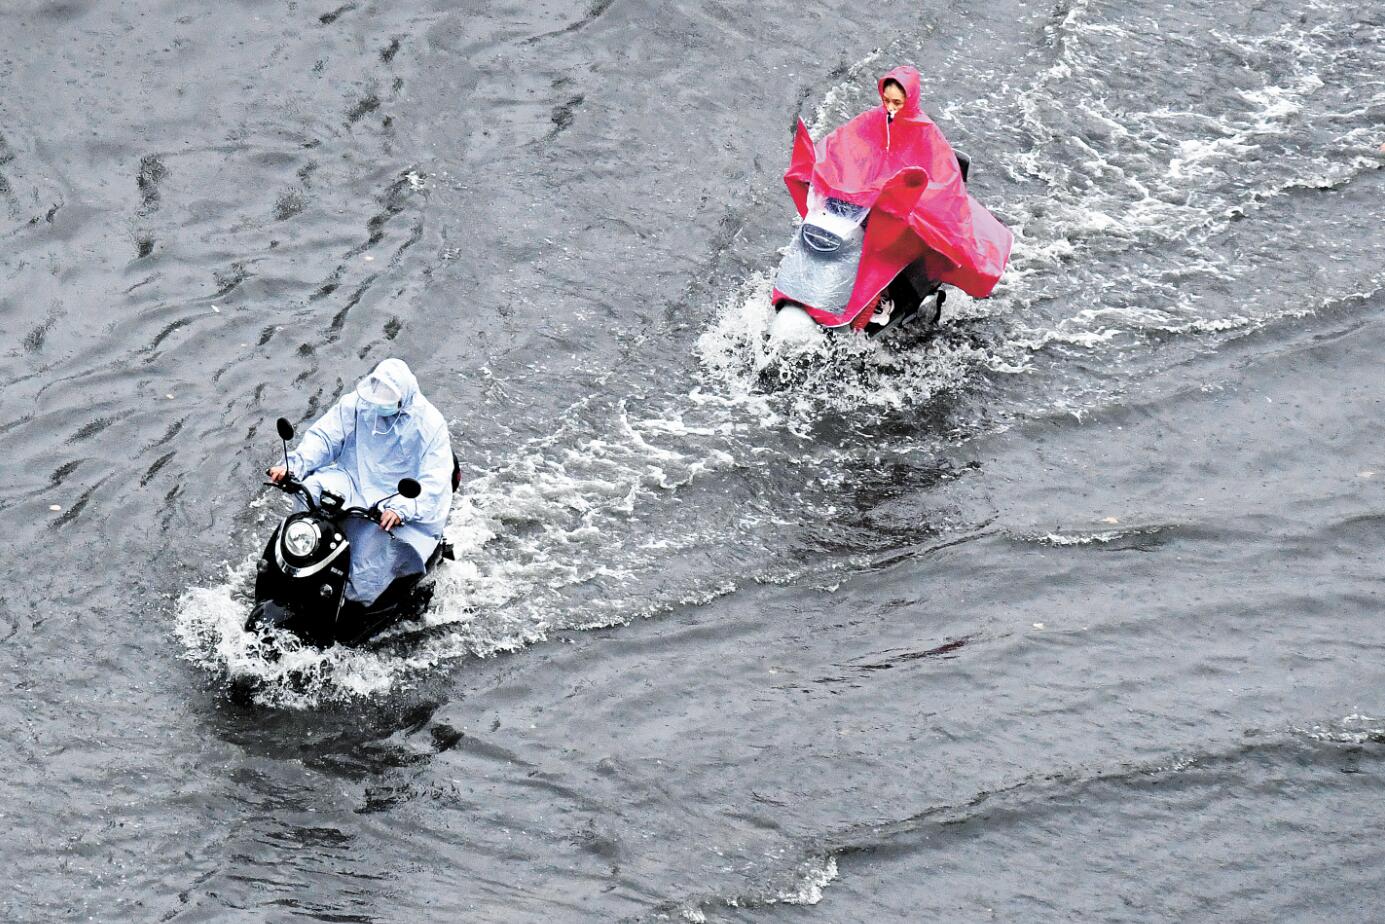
[285,434]
[410,488]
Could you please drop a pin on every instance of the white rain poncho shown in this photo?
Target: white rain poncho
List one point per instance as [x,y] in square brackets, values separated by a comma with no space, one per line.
[361,452]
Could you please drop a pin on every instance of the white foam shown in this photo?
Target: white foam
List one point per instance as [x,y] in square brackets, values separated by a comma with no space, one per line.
[210,625]
[1356,728]
[1070,539]
[1203,156]
[816,876]
[846,372]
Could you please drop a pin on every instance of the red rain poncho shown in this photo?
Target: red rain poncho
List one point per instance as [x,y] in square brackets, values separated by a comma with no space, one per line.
[907,174]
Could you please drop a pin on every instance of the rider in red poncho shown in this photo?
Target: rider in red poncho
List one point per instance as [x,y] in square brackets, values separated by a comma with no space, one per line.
[893,160]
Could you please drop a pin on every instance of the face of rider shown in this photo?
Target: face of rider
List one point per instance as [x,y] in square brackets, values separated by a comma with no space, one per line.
[894,98]
[380,401]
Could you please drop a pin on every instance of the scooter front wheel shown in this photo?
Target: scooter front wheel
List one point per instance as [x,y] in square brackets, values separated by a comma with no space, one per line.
[792,325]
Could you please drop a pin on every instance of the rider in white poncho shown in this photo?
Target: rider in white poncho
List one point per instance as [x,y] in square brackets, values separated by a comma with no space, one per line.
[372,437]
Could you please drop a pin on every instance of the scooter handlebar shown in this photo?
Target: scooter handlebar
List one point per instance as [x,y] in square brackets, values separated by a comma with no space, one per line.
[372,514]
[291,485]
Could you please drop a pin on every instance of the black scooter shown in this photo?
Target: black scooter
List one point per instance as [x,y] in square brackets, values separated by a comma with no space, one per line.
[300,582]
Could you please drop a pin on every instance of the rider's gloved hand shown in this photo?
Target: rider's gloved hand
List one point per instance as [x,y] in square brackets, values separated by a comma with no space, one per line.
[277,473]
[389,520]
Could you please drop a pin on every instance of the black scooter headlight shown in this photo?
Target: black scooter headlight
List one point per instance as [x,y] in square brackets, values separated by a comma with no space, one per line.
[301,538]
[820,239]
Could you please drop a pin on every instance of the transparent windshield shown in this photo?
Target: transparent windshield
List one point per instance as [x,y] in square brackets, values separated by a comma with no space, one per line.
[838,207]
[819,270]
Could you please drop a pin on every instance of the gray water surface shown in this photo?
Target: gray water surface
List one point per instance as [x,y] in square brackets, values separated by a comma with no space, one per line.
[1069,611]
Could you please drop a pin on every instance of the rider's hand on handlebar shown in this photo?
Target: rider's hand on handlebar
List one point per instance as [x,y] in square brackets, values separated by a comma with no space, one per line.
[277,473]
[389,520]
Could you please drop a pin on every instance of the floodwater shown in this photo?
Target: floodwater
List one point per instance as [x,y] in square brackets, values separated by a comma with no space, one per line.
[1069,611]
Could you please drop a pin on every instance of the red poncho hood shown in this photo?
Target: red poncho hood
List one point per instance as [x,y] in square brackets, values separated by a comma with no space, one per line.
[905,171]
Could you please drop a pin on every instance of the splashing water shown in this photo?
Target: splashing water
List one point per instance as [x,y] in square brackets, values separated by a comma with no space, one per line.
[1118,249]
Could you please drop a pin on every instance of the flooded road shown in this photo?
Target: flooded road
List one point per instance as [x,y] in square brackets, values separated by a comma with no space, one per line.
[1069,610]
